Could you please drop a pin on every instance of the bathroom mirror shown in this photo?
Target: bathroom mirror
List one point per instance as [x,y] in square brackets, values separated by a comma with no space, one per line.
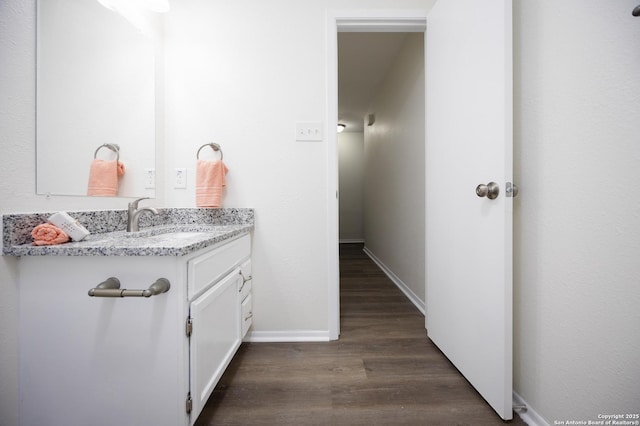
[95,86]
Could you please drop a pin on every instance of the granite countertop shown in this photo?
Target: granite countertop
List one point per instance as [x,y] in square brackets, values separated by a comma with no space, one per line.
[174,232]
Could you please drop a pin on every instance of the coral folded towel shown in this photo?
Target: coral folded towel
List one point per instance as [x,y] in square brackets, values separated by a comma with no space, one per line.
[210,179]
[47,234]
[103,177]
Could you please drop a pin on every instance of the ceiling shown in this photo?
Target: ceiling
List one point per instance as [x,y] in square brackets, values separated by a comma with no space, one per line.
[364,60]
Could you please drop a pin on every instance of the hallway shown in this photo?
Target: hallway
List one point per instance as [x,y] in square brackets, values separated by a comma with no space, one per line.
[382,371]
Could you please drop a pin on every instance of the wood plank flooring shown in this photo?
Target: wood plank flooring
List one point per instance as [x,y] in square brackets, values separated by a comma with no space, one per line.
[382,371]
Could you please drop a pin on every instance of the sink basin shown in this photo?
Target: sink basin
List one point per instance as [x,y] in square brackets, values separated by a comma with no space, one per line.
[176,235]
[181,234]
[165,232]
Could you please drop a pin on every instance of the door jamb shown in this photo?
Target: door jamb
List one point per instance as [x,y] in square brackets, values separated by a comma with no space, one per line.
[349,21]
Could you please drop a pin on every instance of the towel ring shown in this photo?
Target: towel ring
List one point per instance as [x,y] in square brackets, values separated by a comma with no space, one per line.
[213,146]
[112,146]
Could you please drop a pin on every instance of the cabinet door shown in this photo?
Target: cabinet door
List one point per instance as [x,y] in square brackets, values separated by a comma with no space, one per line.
[214,339]
[101,361]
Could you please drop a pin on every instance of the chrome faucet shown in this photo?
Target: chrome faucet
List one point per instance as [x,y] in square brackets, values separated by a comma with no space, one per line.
[133,214]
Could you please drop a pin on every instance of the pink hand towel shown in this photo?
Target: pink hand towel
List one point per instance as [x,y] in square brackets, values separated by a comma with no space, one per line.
[103,177]
[47,234]
[210,179]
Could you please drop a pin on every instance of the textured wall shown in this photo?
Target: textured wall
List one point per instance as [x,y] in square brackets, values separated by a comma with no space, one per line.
[395,169]
[577,221]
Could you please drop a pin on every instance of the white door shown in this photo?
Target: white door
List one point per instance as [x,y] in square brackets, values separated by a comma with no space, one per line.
[469,238]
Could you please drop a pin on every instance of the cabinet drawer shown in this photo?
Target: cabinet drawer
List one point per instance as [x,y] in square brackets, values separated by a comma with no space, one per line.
[247,279]
[210,267]
[247,314]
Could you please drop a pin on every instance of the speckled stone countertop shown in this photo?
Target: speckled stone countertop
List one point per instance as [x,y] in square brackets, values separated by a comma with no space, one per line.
[173,232]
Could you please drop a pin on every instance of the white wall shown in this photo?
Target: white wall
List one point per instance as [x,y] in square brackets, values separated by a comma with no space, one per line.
[351,188]
[395,169]
[242,76]
[577,219]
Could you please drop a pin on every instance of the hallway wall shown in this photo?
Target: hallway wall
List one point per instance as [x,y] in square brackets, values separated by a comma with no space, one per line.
[351,186]
[394,188]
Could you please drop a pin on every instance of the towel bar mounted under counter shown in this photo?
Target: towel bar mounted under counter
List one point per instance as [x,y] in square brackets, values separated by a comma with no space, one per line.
[111,288]
[213,146]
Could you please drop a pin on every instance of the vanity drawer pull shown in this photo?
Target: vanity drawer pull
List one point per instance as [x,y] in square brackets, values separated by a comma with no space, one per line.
[245,279]
[111,288]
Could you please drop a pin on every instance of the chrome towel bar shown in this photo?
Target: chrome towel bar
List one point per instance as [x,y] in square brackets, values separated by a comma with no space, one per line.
[111,288]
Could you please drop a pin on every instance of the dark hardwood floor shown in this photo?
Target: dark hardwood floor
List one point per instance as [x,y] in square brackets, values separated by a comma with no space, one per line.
[382,371]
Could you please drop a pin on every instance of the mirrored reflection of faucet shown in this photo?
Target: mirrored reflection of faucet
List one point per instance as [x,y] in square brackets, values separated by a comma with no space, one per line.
[133,214]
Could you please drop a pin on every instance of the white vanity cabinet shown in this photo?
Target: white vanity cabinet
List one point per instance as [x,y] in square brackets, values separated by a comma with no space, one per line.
[128,361]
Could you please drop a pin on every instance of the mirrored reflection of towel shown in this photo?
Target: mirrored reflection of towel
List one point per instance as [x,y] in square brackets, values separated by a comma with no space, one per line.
[103,178]
[210,179]
[47,234]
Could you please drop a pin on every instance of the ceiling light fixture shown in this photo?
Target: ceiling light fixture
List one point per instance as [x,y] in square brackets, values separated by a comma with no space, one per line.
[341,127]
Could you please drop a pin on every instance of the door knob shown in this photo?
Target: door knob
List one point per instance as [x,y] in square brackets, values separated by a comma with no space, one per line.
[490,190]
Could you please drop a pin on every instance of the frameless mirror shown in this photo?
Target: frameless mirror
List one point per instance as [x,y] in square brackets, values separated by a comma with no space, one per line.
[95,88]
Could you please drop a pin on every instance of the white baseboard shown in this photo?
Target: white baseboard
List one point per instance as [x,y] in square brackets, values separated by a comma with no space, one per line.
[351,240]
[288,336]
[397,281]
[530,417]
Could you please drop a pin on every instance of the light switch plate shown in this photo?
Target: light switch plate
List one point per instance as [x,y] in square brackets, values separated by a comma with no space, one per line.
[309,132]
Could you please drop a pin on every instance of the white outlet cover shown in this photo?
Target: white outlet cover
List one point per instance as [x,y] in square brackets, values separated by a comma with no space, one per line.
[180,178]
[149,178]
